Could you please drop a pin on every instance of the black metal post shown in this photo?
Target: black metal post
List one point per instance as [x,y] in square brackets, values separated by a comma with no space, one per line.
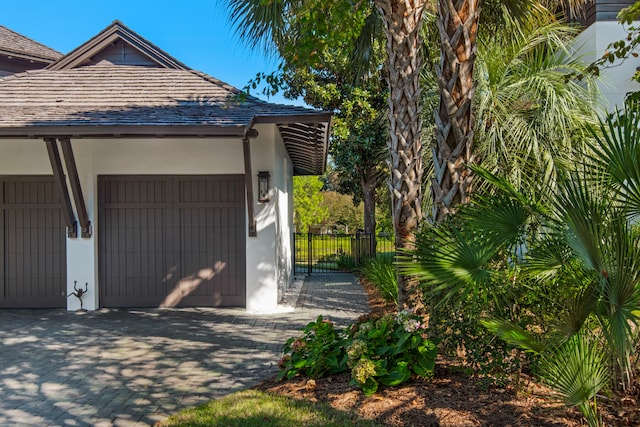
[309,253]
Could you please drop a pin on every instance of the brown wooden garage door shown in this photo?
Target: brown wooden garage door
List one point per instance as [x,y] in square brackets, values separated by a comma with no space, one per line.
[33,256]
[172,241]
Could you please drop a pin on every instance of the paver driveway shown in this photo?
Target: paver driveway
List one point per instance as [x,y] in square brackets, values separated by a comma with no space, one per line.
[135,367]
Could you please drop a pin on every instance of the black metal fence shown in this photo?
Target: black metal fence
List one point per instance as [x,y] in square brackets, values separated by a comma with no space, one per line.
[329,253]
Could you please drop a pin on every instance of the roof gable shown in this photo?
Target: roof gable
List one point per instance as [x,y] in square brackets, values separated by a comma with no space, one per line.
[119,45]
[120,85]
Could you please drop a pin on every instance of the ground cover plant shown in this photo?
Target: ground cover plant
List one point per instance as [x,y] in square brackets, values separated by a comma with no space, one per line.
[388,350]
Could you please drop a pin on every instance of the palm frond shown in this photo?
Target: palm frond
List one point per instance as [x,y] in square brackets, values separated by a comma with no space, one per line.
[576,371]
[452,265]
[362,58]
[528,118]
[617,156]
[549,257]
[585,213]
[621,295]
[260,24]
[515,335]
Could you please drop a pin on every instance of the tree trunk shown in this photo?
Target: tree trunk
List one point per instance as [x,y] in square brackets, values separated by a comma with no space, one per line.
[402,20]
[369,182]
[452,183]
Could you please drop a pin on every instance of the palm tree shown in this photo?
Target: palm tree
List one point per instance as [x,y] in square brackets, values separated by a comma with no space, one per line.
[265,23]
[453,151]
[274,23]
[402,21]
[458,26]
[529,119]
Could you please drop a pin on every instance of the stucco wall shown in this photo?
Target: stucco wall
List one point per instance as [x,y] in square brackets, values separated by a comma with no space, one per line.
[615,82]
[271,251]
[166,156]
[284,236]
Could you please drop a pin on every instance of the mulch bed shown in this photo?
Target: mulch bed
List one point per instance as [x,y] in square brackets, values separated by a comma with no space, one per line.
[450,398]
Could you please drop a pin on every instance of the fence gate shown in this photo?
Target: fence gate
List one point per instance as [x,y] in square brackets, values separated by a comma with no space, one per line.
[330,253]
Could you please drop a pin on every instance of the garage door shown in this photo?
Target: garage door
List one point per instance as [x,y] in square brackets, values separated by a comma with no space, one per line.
[33,254]
[172,241]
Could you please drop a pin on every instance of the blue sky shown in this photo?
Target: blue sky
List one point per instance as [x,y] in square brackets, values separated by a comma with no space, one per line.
[196,32]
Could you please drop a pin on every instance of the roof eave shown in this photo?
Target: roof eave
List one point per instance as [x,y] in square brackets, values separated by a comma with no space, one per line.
[311,117]
[26,57]
[123,131]
[306,138]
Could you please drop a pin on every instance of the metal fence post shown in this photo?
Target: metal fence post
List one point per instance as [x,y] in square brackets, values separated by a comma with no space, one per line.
[309,253]
[295,248]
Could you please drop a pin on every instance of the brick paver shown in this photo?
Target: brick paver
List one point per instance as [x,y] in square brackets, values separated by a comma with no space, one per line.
[135,367]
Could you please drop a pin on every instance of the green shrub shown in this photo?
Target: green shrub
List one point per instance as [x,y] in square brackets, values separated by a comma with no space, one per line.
[389,350]
[319,351]
[386,351]
[464,338]
[345,262]
[382,273]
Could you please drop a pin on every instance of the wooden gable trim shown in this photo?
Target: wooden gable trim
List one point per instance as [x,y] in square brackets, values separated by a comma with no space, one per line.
[76,189]
[61,185]
[117,30]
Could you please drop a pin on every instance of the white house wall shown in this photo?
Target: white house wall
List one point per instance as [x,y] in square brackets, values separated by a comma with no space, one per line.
[614,82]
[270,251]
[27,157]
[167,156]
[284,187]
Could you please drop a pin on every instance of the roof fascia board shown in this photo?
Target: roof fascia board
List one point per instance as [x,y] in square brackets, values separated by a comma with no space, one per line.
[13,54]
[126,131]
[312,117]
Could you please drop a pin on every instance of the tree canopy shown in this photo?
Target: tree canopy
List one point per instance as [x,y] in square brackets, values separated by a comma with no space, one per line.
[307,200]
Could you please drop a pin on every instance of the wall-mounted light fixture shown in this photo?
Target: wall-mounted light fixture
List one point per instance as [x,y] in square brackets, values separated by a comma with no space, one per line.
[263,186]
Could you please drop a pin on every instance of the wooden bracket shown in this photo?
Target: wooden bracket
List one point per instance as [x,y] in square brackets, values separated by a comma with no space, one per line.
[76,189]
[63,191]
[248,179]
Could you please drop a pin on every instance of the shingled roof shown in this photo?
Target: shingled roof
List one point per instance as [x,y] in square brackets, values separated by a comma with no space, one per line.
[16,45]
[103,99]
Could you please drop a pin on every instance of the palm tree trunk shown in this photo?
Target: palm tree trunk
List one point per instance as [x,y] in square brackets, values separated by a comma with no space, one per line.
[402,20]
[452,183]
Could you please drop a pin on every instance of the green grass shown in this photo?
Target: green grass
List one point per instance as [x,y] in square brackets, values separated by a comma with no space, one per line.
[333,252]
[323,246]
[253,408]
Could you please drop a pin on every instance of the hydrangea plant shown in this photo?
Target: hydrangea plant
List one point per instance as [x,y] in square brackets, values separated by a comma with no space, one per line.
[389,350]
[386,351]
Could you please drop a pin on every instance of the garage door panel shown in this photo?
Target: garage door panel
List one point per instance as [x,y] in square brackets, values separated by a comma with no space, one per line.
[179,238]
[130,254]
[33,254]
